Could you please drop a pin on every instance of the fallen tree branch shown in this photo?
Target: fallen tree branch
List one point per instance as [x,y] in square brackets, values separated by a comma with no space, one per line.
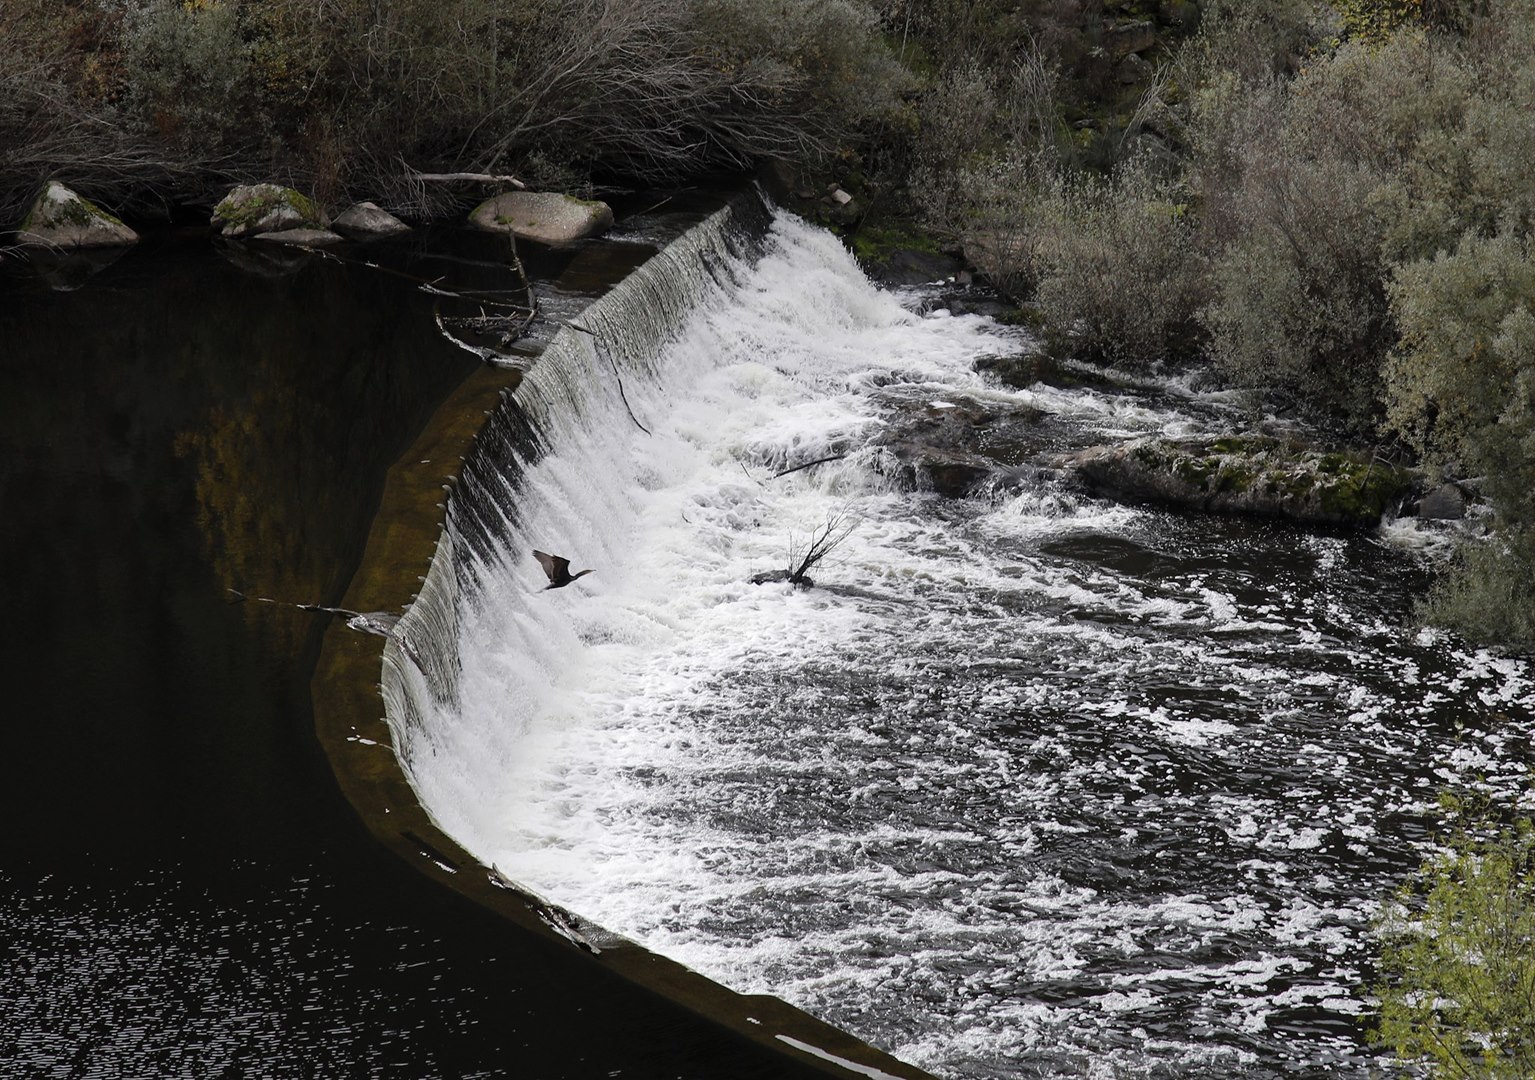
[466,177]
[616,377]
[808,464]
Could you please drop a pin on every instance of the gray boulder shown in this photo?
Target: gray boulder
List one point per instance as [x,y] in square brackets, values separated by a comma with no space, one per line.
[252,209]
[1130,37]
[367,221]
[62,219]
[1444,503]
[544,216]
[1133,69]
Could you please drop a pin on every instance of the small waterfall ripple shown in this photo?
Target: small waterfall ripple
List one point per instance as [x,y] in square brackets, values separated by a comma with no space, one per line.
[1030,785]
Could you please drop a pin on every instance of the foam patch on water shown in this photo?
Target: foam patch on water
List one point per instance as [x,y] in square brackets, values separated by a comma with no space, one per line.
[1031,787]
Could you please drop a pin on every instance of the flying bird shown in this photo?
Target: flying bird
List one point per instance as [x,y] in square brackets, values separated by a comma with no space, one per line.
[558,569]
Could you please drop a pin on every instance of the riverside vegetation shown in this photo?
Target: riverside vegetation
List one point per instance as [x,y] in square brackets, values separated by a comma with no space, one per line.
[1325,204]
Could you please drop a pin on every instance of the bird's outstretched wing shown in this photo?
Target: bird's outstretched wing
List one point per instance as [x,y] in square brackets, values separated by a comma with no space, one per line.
[556,567]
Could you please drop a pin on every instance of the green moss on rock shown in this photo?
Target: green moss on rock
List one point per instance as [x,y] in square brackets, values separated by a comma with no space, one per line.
[245,209]
[1247,475]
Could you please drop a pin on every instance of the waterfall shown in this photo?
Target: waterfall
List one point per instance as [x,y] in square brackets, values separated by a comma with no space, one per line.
[575,389]
[1029,784]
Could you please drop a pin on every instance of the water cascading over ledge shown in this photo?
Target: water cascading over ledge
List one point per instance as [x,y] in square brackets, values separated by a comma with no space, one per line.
[580,378]
[581,383]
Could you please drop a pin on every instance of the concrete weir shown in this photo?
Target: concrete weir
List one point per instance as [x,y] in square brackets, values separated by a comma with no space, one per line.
[368,690]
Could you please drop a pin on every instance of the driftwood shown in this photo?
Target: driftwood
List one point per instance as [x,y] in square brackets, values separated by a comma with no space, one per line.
[467,177]
[510,326]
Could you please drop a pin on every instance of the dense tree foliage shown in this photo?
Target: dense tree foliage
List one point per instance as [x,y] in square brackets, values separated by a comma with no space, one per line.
[349,96]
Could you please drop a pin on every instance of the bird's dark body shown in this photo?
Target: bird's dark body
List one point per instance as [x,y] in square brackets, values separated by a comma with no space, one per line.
[558,570]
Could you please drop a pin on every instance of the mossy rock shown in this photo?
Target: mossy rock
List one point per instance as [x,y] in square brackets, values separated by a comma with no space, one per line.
[60,218]
[1245,474]
[263,208]
[895,250]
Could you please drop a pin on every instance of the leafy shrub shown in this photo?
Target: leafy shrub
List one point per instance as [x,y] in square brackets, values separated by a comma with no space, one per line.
[1377,20]
[1005,212]
[959,139]
[1121,271]
[1461,388]
[1311,190]
[1248,41]
[1298,302]
[1489,594]
[189,73]
[1462,380]
[1459,959]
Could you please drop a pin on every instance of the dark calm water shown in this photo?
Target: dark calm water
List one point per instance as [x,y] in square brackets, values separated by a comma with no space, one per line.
[183,892]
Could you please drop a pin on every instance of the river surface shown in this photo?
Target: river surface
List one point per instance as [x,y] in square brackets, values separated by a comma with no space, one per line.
[183,891]
[1029,785]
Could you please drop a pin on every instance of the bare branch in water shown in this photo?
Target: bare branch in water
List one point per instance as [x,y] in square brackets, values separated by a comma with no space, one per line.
[821,543]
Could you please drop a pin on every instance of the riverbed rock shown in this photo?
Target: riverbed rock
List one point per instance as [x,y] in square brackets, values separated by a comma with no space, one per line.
[781,577]
[62,219]
[368,221]
[300,237]
[544,216]
[950,473]
[1255,475]
[955,445]
[1443,503]
[252,209]
[1019,370]
[911,266]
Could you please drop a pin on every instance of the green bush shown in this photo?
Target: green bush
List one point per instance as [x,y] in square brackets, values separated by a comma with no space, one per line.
[1459,960]
[1298,303]
[1489,594]
[1462,379]
[1461,388]
[189,76]
[1121,274]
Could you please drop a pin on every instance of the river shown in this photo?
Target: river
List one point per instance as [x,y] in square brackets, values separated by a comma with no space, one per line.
[1028,785]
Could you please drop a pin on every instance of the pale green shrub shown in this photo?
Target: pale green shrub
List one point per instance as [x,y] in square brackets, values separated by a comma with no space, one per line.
[189,76]
[1461,388]
[1121,276]
[1298,304]
[1489,593]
